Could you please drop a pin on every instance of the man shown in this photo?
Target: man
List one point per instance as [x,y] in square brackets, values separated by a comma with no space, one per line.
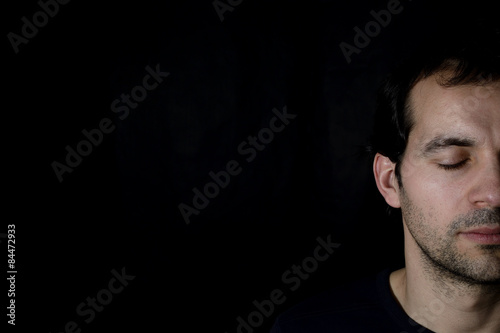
[436,149]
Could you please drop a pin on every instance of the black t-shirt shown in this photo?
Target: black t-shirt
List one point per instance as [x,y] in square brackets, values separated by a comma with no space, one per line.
[367,306]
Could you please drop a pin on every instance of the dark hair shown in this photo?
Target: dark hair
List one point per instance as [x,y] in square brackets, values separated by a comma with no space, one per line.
[467,56]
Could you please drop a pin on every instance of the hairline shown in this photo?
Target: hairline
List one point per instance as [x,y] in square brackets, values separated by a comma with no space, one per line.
[445,76]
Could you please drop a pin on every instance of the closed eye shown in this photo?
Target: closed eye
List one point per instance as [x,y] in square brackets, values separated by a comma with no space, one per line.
[453,166]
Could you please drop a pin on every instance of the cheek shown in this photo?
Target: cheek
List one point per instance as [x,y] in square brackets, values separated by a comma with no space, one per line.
[437,196]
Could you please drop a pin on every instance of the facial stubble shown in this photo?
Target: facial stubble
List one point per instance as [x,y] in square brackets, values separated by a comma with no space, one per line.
[439,249]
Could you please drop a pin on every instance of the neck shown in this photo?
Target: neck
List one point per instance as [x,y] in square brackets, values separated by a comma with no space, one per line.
[441,302]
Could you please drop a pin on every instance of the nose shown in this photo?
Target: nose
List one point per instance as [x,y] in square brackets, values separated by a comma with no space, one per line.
[486,190]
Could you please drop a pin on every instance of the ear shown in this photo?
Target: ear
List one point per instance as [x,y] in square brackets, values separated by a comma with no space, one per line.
[384,171]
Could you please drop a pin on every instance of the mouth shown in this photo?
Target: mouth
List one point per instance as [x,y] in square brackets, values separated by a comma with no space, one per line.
[484,235]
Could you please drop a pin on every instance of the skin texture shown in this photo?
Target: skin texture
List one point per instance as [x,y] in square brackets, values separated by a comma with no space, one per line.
[450,186]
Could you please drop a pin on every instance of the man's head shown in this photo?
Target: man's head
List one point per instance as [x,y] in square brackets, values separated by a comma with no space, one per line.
[437,146]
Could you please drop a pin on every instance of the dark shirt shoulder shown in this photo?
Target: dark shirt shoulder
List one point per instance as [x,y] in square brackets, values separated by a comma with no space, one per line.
[366,305]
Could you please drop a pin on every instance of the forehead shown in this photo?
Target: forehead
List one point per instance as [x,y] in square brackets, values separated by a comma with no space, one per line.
[465,110]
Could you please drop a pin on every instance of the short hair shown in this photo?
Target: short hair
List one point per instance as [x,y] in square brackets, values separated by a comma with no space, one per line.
[470,55]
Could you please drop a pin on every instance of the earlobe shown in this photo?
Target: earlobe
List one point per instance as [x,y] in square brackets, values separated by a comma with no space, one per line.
[384,171]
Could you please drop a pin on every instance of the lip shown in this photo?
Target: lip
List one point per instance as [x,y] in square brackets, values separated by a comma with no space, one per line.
[485,231]
[483,235]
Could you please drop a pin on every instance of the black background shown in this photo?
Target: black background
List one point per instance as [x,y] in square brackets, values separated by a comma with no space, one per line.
[119,207]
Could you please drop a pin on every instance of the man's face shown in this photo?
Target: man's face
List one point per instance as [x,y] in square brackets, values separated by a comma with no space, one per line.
[450,199]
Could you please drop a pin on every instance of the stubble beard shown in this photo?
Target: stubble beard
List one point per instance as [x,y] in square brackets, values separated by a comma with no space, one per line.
[439,251]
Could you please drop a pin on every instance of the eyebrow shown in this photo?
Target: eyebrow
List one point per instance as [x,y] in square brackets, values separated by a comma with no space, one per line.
[440,142]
